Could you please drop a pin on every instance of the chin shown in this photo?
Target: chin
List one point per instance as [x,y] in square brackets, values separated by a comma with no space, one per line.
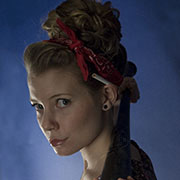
[61,152]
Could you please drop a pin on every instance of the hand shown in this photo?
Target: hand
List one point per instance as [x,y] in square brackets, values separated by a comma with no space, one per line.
[128,178]
[131,84]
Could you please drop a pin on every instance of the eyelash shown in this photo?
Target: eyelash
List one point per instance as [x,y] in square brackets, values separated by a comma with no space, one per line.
[39,107]
[36,106]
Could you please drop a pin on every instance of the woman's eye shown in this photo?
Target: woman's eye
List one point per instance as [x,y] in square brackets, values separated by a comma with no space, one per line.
[38,107]
[63,102]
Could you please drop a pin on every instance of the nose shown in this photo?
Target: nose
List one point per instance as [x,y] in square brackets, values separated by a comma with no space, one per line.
[48,121]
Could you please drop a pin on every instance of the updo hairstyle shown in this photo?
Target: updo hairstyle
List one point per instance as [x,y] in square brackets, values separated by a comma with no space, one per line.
[95,24]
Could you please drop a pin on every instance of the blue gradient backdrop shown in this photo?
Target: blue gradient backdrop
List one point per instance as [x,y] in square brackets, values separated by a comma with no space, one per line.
[151,36]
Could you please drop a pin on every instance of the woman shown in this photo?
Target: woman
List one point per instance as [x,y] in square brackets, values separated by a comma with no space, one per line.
[74,110]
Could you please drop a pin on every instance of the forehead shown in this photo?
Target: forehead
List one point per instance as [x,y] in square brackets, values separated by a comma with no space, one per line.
[52,82]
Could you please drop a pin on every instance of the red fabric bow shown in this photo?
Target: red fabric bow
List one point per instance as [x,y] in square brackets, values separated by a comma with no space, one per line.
[104,67]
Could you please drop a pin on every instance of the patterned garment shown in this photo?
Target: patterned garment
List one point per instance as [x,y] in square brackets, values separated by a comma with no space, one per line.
[142,169]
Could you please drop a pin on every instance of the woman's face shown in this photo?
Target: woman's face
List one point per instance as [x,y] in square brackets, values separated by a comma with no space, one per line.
[69,116]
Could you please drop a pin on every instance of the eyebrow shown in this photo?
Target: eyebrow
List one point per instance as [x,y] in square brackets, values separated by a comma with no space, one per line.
[54,96]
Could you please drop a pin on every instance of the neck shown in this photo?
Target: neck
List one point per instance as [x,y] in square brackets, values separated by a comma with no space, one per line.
[94,155]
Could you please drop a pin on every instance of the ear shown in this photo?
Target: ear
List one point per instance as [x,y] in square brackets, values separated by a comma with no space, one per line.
[110,95]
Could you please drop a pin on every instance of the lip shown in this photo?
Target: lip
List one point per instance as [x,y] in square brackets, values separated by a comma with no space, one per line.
[57,142]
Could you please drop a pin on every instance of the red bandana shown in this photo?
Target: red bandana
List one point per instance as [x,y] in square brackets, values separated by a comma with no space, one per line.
[104,67]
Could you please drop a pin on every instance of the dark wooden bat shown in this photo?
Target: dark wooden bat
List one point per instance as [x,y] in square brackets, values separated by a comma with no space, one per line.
[118,160]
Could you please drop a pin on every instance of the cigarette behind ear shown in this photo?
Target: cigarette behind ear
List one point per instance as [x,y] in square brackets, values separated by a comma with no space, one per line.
[101,79]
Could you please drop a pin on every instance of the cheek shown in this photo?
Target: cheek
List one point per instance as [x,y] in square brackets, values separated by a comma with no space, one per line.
[81,123]
[84,124]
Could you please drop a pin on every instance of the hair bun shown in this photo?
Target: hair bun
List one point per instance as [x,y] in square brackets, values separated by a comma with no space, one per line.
[95,24]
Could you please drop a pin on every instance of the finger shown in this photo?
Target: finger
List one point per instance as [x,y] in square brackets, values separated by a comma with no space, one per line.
[129,178]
